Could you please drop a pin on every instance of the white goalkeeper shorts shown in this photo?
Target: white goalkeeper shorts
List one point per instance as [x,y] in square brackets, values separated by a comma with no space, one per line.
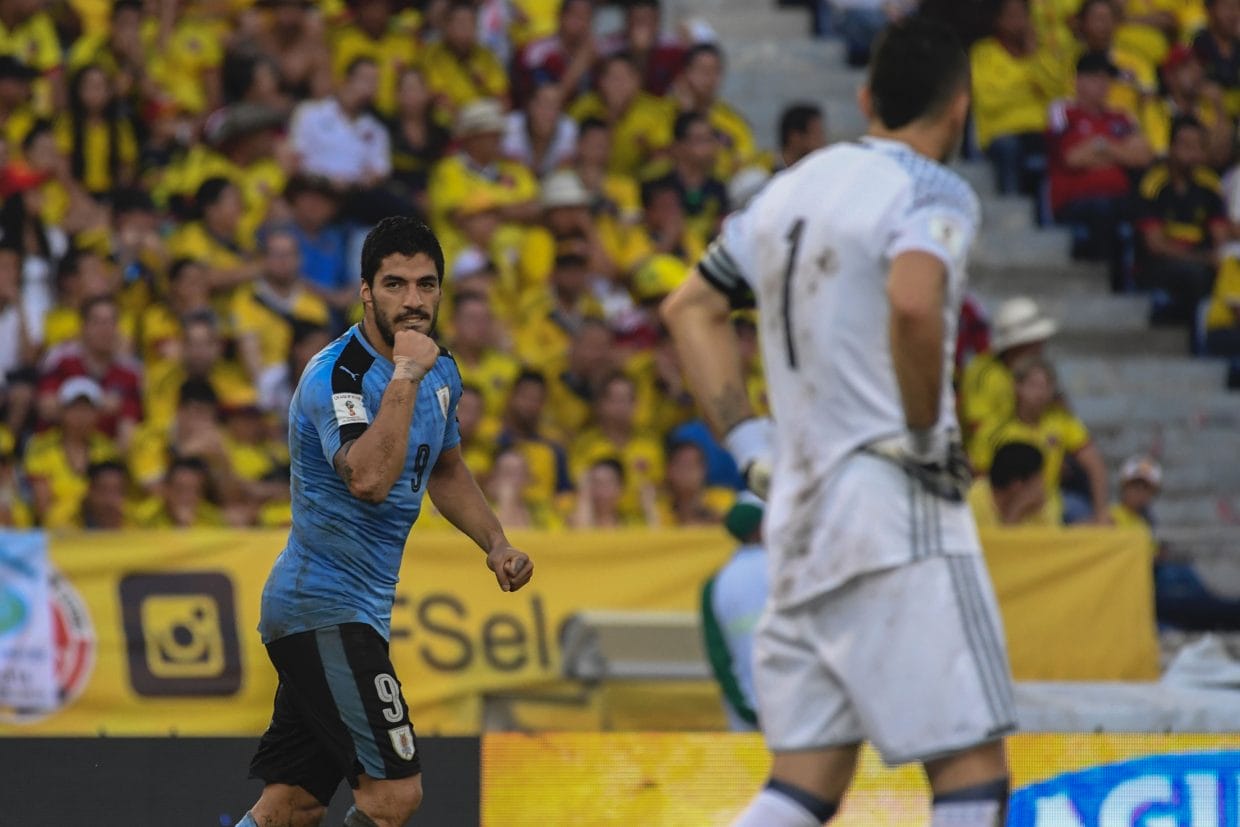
[911,659]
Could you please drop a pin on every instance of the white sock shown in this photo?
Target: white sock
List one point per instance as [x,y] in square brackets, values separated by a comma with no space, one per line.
[772,809]
[966,814]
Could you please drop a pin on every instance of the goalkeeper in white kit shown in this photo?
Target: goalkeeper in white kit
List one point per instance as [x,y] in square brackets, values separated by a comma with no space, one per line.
[881,623]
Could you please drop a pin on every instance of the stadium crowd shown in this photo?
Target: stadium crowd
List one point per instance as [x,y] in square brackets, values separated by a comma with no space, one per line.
[185,183]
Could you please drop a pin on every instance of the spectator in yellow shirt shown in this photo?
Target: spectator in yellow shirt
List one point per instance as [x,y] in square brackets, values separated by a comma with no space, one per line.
[106,506]
[1140,480]
[1136,83]
[1014,82]
[264,312]
[572,385]
[477,170]
[240,144]
[183,500]
[161,323]
[293,38]
[614,435]
[17,114]
[506,488]
[214,240]
[614,197]
[28,34]
[1039,420]
[15,512]
[567,221]
[685,499]
[477,435]
[200,357]
[96,137]
[987,392]
[481,364]
[1223,316]
[1188,93]
[554,315]
[1150,27]
[703,197]
[599,497]
[57,459]
[640,124]
[1013,493]
[259,462]
[545,459]
[696,89]
[665,228]
[375,34]
[459,70]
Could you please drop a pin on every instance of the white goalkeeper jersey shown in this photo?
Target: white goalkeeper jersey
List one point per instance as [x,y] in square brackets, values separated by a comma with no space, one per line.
[813,250]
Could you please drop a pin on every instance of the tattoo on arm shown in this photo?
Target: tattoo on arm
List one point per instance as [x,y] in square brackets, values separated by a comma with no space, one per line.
[729,407]
[341,461]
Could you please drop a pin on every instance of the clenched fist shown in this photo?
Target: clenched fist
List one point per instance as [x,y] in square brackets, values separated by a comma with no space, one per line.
[413,353]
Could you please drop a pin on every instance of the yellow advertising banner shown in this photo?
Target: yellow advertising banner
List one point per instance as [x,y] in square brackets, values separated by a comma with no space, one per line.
[155,631]
[673,779]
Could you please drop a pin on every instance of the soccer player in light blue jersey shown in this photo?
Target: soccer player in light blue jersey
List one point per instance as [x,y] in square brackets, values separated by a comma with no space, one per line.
[372,427]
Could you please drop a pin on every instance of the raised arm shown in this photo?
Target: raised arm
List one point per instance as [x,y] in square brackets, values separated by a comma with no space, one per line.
[371,463]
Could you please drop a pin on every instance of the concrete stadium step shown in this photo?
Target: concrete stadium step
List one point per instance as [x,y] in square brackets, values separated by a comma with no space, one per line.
[1037,279]
[1175,509]
[1006,212]
[737,20]
[765,74]
[1218,409]
[1140,375]
[1121,344]
[1023,247]
[1173,445]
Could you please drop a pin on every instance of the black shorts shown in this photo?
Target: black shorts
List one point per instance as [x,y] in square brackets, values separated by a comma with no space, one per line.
[339,712]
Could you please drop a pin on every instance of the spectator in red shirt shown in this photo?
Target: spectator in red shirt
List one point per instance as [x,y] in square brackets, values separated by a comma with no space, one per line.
[1183,223]
[658,57]
[564,59]
[1093,151]
[97,354]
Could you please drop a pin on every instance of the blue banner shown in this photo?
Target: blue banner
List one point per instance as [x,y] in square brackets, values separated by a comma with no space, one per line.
[1187,790]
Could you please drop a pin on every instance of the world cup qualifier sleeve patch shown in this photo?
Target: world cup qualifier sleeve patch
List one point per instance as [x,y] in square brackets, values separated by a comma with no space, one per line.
[349,409]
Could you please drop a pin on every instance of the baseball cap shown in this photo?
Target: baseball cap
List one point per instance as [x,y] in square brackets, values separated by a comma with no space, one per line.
[564,189]
[1141,468]
[1020,322]
[658,276]
[80,387]
[744,517]
[1096,63]
[479,118]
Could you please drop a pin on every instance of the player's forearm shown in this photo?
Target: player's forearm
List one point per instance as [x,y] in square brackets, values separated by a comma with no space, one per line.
[455,493]
[917,355]
[375,460]
[915,292]
[710,358]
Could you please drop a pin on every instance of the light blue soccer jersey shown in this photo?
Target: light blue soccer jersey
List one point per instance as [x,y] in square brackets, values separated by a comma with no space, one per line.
[343,554]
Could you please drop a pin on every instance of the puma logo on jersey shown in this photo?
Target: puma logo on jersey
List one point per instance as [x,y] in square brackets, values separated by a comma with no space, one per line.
[352,375]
